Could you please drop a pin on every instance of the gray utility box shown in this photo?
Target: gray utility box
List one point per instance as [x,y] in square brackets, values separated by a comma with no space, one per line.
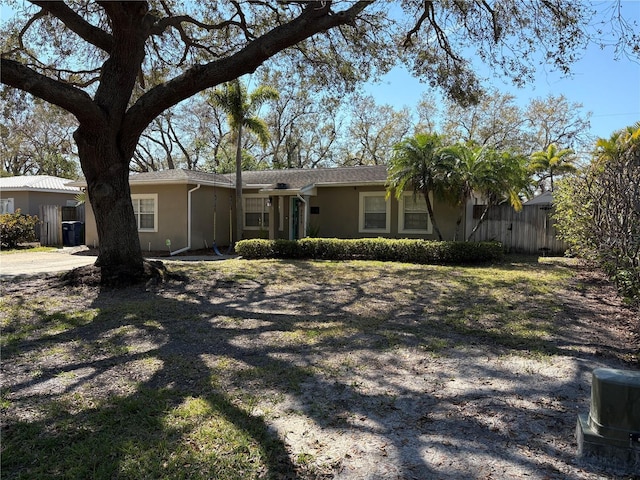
[610,435]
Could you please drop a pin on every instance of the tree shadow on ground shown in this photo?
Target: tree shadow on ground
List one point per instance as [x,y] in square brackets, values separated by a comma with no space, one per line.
[129,393]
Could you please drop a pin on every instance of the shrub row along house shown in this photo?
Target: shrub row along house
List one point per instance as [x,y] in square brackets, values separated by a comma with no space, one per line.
[179,210]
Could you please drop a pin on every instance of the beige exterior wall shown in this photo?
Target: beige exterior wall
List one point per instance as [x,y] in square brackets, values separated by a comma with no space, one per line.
[29,202]
[173,218]
[339,215]
[90,230]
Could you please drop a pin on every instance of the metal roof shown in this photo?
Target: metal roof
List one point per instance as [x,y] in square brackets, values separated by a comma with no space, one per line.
[38,183]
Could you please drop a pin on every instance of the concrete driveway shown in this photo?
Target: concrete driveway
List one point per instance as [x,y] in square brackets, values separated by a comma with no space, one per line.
[13,265]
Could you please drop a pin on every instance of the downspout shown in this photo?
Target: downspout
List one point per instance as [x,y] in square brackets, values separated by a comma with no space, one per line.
[188,247]
[304,224]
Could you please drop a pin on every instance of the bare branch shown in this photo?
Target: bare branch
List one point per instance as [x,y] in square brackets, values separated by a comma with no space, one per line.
[312,20]
[72,99]
[430,15]
[90,33]
[497,30]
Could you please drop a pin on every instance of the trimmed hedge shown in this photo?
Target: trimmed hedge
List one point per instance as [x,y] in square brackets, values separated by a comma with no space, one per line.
[384,249]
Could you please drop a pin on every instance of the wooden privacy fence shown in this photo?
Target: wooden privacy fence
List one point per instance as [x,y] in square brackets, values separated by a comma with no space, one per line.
[50,225]
[51,218]
[532,230]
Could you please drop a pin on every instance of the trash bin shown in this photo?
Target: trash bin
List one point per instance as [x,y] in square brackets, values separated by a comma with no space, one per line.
[72,233]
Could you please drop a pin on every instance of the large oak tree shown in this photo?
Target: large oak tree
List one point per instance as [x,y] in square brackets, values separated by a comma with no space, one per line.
[116,66]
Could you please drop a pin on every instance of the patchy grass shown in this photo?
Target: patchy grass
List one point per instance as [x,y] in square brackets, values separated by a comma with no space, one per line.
[27,248]
[151,434]
[185,381]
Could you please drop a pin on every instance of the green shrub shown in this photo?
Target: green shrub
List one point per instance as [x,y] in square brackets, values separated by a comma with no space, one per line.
[255,248]
[403,250]
[16,228]
[597,210]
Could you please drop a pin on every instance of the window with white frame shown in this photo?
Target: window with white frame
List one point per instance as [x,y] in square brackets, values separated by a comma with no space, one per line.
[413,216]
[375,213]
[256,212]
[6,205]
[145,208]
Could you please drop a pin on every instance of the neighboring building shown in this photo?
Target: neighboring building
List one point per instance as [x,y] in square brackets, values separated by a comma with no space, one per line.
[545,198]
[189,209]
[28,193]
[52,199]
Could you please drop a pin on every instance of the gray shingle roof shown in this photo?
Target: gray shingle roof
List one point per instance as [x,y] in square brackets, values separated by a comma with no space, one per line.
[180,176]
[542,199]
[40,183]
[304,177]
[293,179]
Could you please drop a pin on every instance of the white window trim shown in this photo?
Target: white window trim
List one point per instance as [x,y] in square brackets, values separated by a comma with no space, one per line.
[401,228]
[147,196]
[361,228]
[244,211]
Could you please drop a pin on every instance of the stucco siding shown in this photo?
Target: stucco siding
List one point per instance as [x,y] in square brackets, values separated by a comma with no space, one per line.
[45,198]
[29,202]
[339,215]
[90,229]
[20,201]
[337,211]
[172,222]
[329,209]
[446,217]
[210,206]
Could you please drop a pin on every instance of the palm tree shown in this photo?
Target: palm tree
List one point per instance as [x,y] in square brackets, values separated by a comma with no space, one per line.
[611,148]
[502,178]
[552,161]
[240,107]
[416,163]
[496,176]
[467,169]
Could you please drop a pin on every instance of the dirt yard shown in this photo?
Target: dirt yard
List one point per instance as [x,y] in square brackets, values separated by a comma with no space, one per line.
[364,372]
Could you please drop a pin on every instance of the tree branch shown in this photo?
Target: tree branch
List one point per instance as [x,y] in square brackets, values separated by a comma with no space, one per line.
[74,22]
[72,99]
[429,14]
[312,20]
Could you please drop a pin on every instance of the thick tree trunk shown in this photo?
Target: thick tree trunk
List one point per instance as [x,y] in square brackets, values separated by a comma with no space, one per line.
[106,170]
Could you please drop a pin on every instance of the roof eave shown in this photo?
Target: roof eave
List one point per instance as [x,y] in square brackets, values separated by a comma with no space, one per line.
[376,183]
[42,190]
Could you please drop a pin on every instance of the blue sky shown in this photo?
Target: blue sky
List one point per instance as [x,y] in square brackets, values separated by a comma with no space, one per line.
[608,88]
